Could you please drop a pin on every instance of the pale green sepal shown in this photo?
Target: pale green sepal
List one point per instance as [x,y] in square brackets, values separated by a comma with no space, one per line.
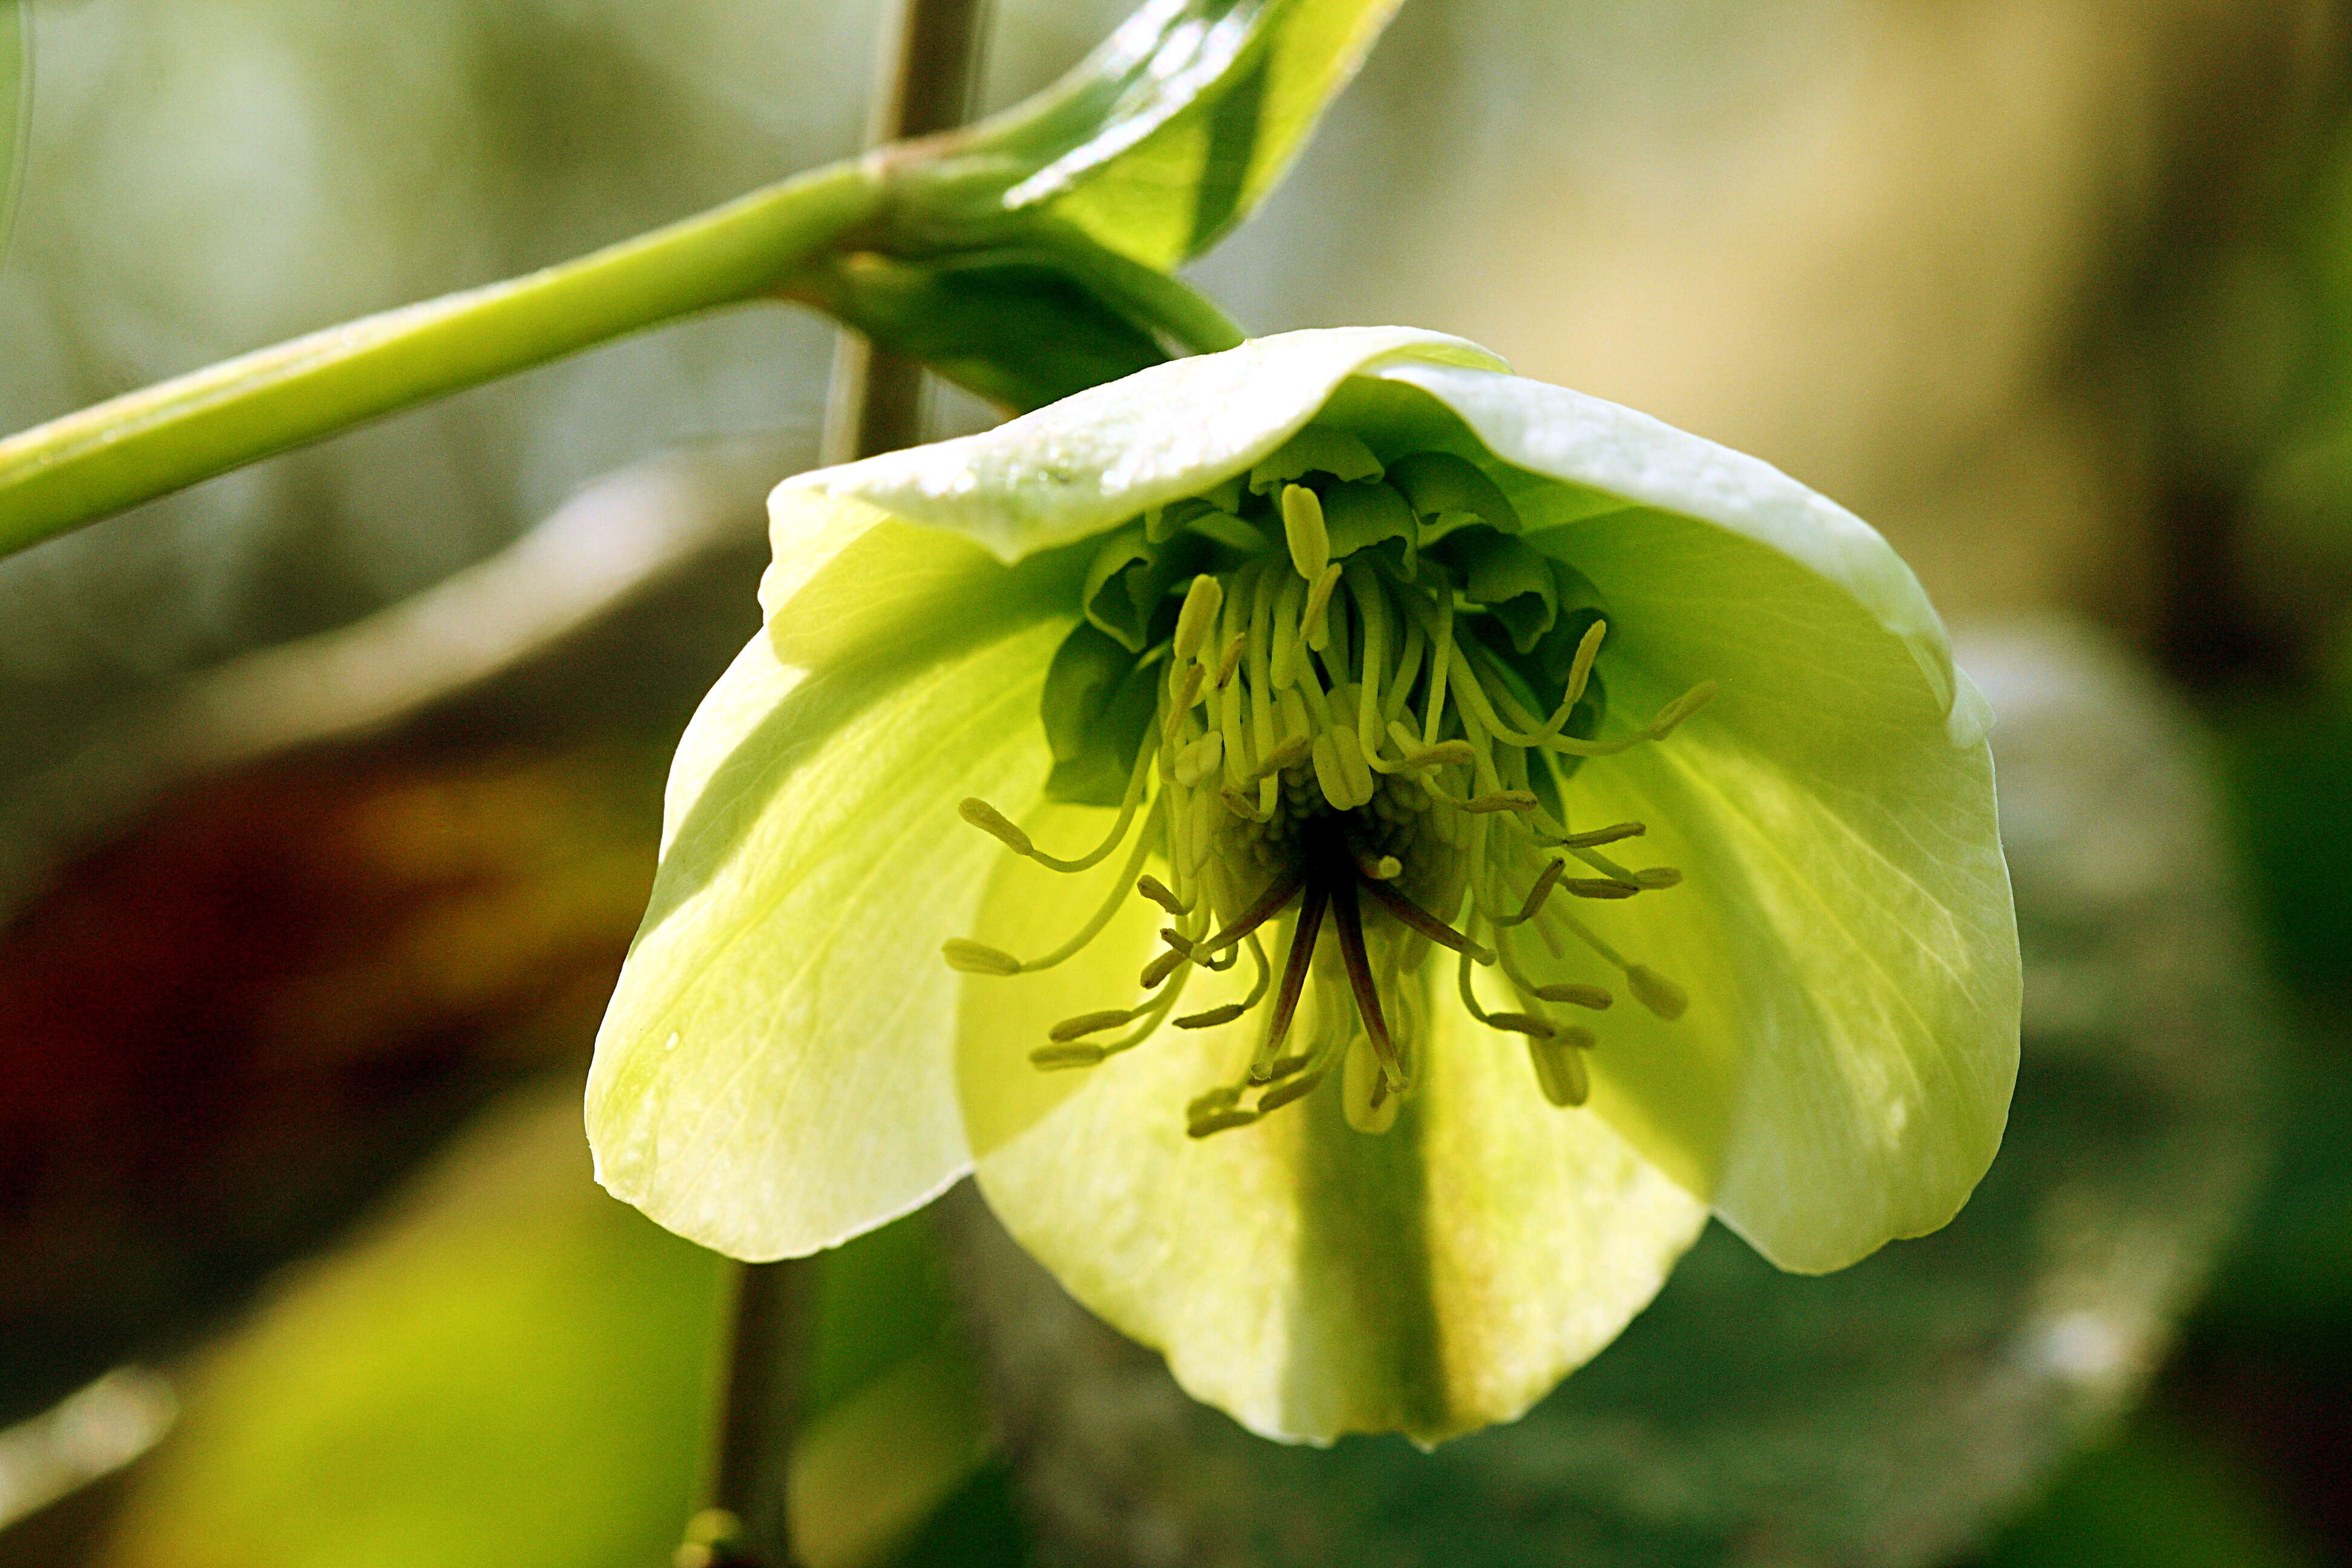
[755,1088]
[1603,446]
[1091,462]
[1309,1279]
[1845,928]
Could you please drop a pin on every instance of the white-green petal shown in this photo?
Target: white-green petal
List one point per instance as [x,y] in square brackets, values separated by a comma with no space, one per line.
[1845,928]
[1310,1280]
[1096,459]
[775,1072]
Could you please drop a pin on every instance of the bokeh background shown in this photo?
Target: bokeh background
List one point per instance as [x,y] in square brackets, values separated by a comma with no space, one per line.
[330,789]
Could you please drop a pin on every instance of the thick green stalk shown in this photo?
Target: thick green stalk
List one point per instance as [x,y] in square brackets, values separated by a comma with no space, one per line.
[164,437]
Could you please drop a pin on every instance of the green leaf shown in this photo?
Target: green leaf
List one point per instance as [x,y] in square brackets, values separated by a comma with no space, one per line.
[16,109]
[1171,132]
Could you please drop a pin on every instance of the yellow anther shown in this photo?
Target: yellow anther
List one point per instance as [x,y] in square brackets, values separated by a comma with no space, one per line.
[1155,889]
[1303,530]
[1599,836]
[1658,877]
[1655,992]
[995,824]
[1522,1024]
[1446,753]
[1538,893]
[1056,1059]
[1211,1019]
[1160,968]
[1188,692]
[1283,1067]
[1384,868]
[1353,766]
[1199,759]
[1579,670]
[1218,1122]
[1501,800]
[1680,709]
[1244,804]
[1232,661]
[1085,1024]
[1282,758]
[1284,1090]
[1337,788]
[1599,887]
[1559,1067]
[1313,622]
[1575,995]
[977,958]
[1203,600]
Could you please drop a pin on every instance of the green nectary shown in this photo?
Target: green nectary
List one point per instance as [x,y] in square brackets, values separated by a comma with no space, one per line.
[1339,700]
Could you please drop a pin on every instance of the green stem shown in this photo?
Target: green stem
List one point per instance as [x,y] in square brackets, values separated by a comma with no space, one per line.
[164,437]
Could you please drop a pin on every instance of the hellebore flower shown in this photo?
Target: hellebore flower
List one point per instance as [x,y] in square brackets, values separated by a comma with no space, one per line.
[1405,842]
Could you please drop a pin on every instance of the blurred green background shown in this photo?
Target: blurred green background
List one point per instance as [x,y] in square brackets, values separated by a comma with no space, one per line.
[299,1262]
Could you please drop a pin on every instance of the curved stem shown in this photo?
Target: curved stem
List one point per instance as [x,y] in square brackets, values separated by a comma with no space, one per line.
[158,440]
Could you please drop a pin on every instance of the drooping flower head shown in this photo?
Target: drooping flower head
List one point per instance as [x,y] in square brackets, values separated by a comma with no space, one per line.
[1362,851]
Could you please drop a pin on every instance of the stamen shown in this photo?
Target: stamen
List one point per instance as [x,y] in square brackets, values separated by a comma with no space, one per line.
[995,824]
[1600,835]
[1536,895]
[1155,889]
[1579,670]
[1559,1067]
[1575,995]
[1283,1092]
[1060,1058]
[1501,800]
[1445,754]
[1201,601]
[1188,692]
[1282,758]
[1655,992]
[1379,869]
[1160,968]
[1232,661]
[977,958]
[1085,1024]
[1198,761]
[1213,1018]
[1599,888]
[1314,626]
[1680,709]
[1520,1023]
[1652,878]
[1304,531]
[1650,988]
[1219,1121]
[1126,879]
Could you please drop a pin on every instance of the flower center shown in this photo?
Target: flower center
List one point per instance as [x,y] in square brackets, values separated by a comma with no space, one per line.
[1347,748]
